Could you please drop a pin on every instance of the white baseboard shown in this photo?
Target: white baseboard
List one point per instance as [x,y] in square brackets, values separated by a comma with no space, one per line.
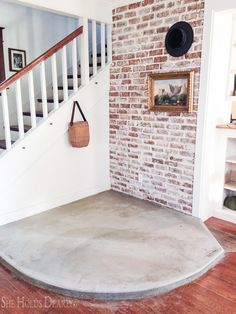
[225,214]
[50,204]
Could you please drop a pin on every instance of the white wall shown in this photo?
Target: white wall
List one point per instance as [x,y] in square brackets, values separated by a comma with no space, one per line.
[49,172]
[32,30]
[214,107]
[119,3]
[99,10]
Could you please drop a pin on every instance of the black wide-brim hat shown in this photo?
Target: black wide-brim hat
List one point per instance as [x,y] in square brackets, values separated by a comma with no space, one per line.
[179,39]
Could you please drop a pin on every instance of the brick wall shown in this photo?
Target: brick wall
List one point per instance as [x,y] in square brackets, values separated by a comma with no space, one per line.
[152,154]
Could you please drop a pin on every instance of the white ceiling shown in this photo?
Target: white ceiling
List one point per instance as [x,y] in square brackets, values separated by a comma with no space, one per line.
[118,3]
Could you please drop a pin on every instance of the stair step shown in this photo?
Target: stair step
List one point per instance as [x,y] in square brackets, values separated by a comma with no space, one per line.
[99,55]
[69,87]
[3,144]
[98,64]
[91,65]
[28,114]
[16,128]
[49,100]
[70,76]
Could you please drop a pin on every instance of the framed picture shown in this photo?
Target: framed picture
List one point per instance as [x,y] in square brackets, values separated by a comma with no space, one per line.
[17,59]
[170,92]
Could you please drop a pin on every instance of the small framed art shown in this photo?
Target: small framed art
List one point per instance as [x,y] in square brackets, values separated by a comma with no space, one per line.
[171,92]
[17,59]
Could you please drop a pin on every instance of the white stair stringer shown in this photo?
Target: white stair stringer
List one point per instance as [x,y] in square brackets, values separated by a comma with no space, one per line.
[17,165]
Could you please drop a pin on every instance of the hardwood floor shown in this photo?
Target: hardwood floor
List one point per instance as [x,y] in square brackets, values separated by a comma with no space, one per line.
[224,232]
[214,293]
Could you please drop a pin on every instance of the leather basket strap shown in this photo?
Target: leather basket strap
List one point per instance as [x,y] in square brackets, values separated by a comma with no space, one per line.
[73,113]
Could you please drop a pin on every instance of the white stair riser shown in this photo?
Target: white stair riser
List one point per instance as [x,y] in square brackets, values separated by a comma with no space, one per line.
[99,59]
[27,120]
[70,82]
[90,70]
[49,105]
[50,95]
[60,93]
[14,135]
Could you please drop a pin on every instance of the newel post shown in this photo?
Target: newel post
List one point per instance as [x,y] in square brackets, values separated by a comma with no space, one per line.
[2,65]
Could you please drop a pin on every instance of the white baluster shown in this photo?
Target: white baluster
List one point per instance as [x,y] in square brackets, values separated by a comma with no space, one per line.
[94,39]
[75,65]
[19,110]
[79,48]
[84,53]
[64,74]
[103,43]
[6,120]
[43,90]
[32,99]
[54,81]
[109,43]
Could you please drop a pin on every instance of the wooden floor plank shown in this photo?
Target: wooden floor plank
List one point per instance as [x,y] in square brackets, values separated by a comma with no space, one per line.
[208,301]
[221,225]
[220,287]
[224,272]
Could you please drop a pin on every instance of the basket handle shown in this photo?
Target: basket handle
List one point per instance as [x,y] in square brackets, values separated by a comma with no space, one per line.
[73,112]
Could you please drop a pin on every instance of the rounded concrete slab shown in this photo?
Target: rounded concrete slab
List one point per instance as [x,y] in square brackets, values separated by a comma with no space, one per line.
[109,246]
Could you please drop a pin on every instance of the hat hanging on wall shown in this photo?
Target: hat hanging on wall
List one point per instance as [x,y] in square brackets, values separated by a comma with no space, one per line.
[179,39]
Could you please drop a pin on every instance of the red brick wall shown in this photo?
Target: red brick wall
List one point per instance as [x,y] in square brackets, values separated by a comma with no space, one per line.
[152,154]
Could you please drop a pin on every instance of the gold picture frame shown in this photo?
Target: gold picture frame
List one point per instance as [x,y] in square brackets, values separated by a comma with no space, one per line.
[171,92]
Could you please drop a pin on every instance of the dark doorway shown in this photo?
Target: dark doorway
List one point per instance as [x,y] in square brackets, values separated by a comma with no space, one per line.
[2,66]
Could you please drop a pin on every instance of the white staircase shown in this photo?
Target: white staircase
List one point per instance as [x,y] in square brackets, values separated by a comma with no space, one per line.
[55,89]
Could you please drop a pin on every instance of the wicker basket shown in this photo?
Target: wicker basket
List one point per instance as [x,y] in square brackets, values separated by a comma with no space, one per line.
[79,134]
[78,131]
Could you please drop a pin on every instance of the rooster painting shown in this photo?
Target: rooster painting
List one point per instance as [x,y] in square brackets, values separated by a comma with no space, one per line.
[174,90]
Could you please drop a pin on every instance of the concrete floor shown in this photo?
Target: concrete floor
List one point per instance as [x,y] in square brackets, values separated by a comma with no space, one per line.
[109,246]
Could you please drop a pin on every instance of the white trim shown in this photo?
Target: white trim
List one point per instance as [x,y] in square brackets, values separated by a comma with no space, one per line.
[201,206]
[225,214]
[202,116]
[38,208]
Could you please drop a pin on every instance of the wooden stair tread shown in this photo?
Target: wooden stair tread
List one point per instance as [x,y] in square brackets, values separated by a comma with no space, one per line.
[91,65]
[70,76]
[69,87]
[49,100]
[98,64]
[3,144]
[16,128]
[38,113]
[99,55]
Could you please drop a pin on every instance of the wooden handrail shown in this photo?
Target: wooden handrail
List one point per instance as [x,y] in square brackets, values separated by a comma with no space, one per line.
[41,58]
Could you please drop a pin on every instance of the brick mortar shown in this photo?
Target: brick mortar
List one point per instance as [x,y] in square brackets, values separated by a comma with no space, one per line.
[152,154]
